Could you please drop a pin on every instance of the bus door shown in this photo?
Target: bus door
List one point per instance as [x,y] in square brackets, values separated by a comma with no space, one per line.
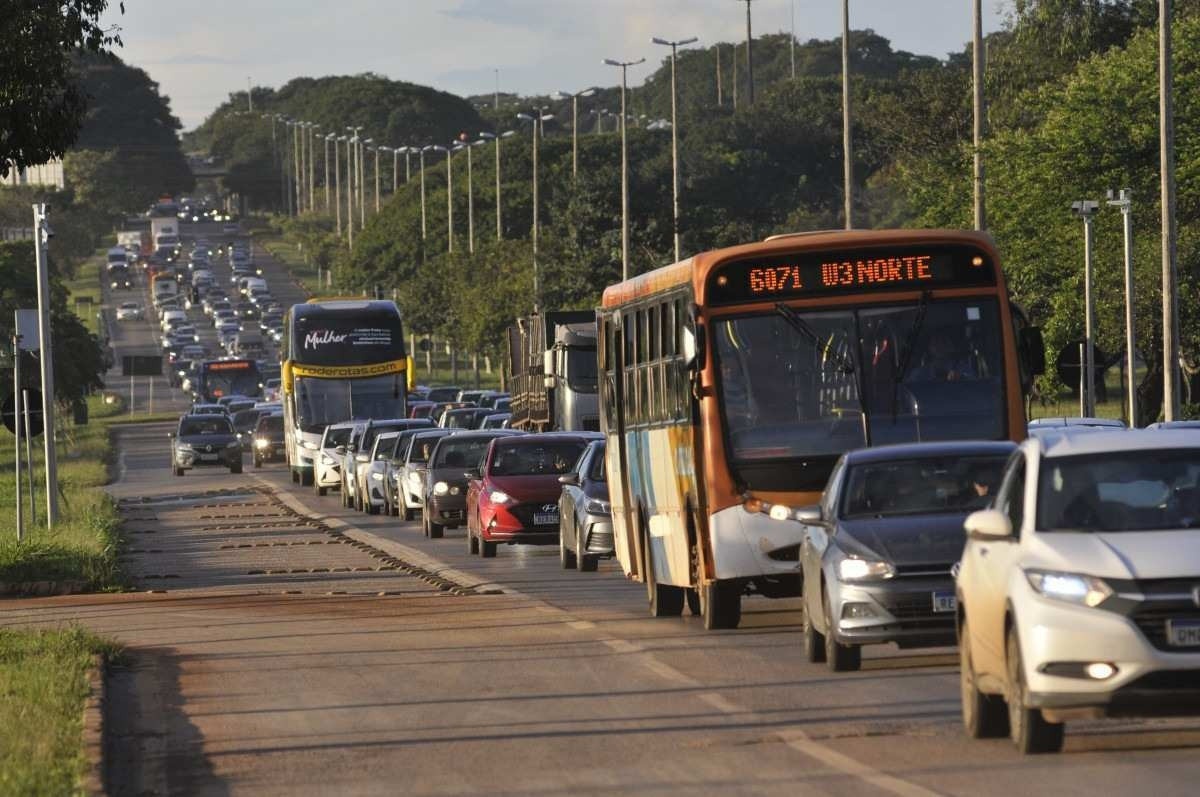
[626,549]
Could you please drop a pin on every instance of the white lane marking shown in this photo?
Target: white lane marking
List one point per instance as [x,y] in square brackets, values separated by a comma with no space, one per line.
[800,741]
[581,625]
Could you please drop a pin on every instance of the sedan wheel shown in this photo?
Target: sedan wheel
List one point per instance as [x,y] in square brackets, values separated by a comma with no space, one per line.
[586,563]
[813,640]
[839,657]
[566,557]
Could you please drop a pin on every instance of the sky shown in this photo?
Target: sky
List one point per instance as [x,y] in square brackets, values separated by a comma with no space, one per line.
[201,52]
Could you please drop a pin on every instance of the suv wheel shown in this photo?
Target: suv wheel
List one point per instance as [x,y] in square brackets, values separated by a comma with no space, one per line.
[1026,726]
[839,657]
[984,716]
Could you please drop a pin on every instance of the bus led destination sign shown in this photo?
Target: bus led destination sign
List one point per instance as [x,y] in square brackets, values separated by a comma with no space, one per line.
[818,274]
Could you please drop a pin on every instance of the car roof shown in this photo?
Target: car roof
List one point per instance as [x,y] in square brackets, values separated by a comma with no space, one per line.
[568,437]
[948,448]
[1175,425]
[1039,423]
[471,434]
[1115,442]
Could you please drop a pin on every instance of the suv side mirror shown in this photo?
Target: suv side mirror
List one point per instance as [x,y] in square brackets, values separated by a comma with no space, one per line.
[988,524]
[569,478]
[170,435]
[340,451]
[809,514]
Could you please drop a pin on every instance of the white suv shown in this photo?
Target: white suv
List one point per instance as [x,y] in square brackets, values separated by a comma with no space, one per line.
[1079,590]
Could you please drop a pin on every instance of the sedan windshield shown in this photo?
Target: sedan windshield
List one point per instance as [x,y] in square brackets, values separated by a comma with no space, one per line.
[1133,491]
[925,486]
[324,401]
[801,388]
[529,459]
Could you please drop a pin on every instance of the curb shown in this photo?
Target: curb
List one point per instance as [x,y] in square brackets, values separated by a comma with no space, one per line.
[91,781]
[42,588]
[410,555]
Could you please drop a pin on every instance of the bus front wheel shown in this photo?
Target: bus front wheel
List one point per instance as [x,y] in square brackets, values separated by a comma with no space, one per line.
[721,604]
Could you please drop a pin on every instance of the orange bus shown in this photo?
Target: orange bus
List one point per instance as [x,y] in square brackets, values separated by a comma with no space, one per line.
[734,380]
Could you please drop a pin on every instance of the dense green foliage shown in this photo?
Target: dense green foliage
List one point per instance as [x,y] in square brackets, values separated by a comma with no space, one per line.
[1071,91]
[41,103]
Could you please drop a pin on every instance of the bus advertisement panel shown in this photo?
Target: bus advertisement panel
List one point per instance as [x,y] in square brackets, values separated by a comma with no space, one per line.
[734,381]
[342,360]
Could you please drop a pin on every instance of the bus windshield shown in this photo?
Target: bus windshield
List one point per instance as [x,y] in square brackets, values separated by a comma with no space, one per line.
[230,378]
[806,386]
[320,402]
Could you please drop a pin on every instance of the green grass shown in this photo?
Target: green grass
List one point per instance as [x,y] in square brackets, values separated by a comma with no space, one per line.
[86,285]
[43,681]
[83,545]
[301,269]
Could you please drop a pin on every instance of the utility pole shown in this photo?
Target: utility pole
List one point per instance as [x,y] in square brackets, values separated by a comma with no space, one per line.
[470,200]
[720,99]
[449,199]
[674,45]
[750,56]
[312,170]
[847,147]
[376,178]
[249,96]
[792,41]
[496,102]
[395,169]
[16,350]
[1166,154]
[977,56]
[1086,209]
[327,137]
[424,230]
[1124,202]
[735,78]
[41,228]
[337,181]
[362,182]
[624,66]
[298,184]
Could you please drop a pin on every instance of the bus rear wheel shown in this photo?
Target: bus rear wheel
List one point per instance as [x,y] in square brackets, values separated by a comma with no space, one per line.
[721,604]
[665,600]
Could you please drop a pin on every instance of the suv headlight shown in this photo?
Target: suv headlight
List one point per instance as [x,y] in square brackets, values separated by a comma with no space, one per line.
[498,497]
[1069,587]
[441,488]
[310,445]
[851,569]
[262,442]
[595,506]
[184,446]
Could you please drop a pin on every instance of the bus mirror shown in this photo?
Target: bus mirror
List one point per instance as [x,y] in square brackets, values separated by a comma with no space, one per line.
[548,381]
[548,364]
[693,346]
[1033,350]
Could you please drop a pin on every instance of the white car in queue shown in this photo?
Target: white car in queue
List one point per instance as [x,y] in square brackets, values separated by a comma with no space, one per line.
[1079,588]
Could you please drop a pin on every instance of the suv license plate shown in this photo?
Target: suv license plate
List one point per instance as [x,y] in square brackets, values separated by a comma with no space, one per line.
[944,602]
[545,519]
[1183,633]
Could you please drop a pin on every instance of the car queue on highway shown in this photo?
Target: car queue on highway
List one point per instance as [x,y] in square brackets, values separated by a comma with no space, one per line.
[1061,563]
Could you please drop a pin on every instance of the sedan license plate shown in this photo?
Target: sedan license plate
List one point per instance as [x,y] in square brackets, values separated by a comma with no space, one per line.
[944,602]
[1183,633]
[546,519]
[209,457]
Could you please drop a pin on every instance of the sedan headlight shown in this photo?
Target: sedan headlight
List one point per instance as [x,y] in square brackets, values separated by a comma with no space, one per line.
[441,488]
[311,446]
[595,506]
[851,569]
[327,460]
[499,497]
[262,442]
[1069,587]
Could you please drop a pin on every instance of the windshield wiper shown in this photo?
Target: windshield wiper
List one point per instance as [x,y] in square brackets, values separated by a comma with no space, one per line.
[910,341]
[805,329]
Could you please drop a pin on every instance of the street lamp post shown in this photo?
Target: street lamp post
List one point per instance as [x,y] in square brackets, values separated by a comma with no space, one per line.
[312,163]
[376,149]
[328,138]
[847,151]
[297,155]
[674,45]
[471,198]
[337,181]
[1123,201]
[977,103]
[395,168]
[749,55]
[588,92]
[352,175]
[1086,209]
[362,183]
[624,66]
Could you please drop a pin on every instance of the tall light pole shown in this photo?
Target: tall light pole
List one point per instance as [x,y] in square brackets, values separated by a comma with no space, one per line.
[536,121]
[1166,155]
[499,194]
[674,45]
[977,56]
[376,151]
[351,176]
[449,197]
[1123,201]
[1086,209]
[424,232]
[471,197]
[395,167]
[337,180]
[328,138]
[41,228]
[792,40]
[299,185]
[574,98]
[847,149]
[749,55]
[312,160]
[362,181]
[624,66]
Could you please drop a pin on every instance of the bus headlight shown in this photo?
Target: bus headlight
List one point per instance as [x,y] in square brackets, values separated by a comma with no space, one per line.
[441,488]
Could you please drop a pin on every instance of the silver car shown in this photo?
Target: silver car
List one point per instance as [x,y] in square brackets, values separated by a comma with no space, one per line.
[410,476]
[371,484]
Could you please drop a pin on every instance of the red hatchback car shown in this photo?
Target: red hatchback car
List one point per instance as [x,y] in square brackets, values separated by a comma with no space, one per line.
[515,497]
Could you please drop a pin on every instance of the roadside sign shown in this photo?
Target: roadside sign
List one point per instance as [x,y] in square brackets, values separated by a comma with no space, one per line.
[141,365]
[27,329]
[35,413]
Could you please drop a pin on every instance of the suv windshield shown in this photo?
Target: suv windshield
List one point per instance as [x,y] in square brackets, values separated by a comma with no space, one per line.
[204,424]
[929,485]
[801,388]
[1133,491]
[535,459]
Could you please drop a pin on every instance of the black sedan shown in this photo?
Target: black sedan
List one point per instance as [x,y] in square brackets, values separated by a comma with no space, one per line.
[268,439]
[878,551]
[205,441]
[584,515]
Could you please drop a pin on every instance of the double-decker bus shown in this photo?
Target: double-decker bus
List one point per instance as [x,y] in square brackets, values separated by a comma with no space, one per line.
[217,378]
[343,359]
[734,380]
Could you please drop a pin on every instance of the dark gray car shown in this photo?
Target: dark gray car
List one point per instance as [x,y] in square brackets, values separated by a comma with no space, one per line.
[205,441]
[878,551]
[451,466]
[584,514]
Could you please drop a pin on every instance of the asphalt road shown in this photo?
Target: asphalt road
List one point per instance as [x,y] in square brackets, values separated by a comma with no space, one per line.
[504,676]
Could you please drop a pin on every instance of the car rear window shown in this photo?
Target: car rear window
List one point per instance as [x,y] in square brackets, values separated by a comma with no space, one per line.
[532,459]
[465,453]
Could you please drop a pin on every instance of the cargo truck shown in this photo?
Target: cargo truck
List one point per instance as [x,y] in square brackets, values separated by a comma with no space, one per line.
[552,363]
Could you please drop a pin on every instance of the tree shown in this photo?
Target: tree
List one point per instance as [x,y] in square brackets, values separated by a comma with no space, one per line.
[41,104]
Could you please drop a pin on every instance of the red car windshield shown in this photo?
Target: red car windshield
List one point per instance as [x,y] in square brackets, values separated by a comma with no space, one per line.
[535,459]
